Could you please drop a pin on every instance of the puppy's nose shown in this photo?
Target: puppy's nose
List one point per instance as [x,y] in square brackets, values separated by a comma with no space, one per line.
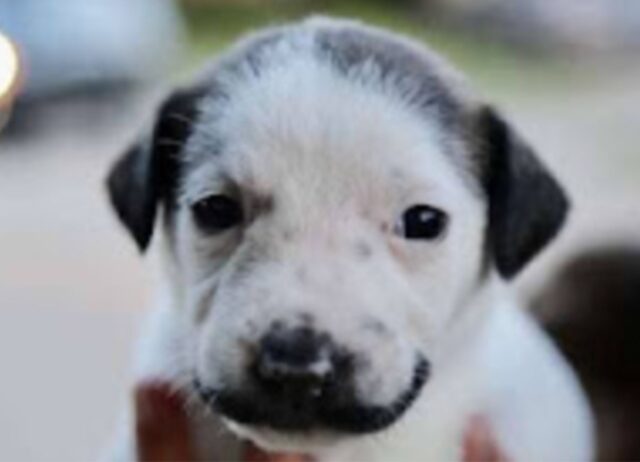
[296,361]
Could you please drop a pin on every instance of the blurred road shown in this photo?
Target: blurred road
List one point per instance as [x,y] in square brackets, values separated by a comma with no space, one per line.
[72,288]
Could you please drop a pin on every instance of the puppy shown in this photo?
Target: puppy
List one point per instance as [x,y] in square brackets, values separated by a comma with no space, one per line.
[339,221]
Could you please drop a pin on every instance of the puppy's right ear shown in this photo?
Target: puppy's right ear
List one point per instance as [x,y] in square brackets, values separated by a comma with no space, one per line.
[133,191]
[145,176]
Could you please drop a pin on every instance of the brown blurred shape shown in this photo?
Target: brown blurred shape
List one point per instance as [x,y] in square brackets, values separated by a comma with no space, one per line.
[162,425]
[592,311]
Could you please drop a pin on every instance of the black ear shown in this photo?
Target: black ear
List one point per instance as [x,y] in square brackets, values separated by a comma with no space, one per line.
[133,192]
[527,206]
[145,176]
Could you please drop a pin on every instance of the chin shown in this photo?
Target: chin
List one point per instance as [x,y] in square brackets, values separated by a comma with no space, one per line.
[309,443]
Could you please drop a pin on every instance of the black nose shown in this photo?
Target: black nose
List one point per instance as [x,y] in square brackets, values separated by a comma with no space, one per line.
[294,361]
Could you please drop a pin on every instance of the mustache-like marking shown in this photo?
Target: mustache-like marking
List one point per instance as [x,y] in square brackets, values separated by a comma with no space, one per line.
[333,410]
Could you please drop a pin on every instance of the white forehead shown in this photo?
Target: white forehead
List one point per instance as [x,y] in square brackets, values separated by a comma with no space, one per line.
[304,127]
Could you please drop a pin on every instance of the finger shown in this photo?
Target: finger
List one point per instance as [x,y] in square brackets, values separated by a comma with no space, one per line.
[254,454]
[480,445]
[162,425]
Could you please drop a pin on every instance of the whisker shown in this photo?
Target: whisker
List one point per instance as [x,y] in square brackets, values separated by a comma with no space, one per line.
[180,118]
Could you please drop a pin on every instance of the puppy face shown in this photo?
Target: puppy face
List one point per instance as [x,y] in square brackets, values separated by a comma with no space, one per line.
[331,202]
[339,232]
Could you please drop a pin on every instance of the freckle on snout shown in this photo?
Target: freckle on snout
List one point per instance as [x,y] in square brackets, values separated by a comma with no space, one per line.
[363,249]
[375,326]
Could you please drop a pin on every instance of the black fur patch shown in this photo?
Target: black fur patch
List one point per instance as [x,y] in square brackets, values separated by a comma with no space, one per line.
[527,206]
[348,49]
[147,173]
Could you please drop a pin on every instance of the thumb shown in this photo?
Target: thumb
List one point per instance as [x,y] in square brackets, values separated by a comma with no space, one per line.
[161,424]
[480,445]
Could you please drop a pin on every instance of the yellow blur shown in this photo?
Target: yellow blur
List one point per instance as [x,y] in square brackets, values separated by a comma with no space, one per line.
[9,70]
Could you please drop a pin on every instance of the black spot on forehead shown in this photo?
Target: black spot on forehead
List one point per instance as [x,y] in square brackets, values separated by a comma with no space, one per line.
[349,49]
[419,81]
[251,55]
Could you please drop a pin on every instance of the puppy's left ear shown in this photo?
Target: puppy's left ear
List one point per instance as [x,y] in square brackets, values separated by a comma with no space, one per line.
[527,206]
[145,176]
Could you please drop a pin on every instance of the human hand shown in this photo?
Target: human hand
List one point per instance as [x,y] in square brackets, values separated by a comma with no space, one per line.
[162,432]
[480,445]
[162,429]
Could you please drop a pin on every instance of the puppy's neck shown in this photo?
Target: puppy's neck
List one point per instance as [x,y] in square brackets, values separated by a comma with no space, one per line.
[466,327]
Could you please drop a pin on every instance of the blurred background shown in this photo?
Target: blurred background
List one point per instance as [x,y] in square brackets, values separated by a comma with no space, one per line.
[78,78]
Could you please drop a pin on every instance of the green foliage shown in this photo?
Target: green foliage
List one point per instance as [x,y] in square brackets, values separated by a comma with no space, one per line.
[214,26]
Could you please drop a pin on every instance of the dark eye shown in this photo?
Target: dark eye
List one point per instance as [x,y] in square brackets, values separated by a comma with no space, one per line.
[423,222]
[217,213]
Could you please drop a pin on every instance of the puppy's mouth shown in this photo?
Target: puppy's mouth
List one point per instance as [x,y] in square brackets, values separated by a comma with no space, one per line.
[334,408]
